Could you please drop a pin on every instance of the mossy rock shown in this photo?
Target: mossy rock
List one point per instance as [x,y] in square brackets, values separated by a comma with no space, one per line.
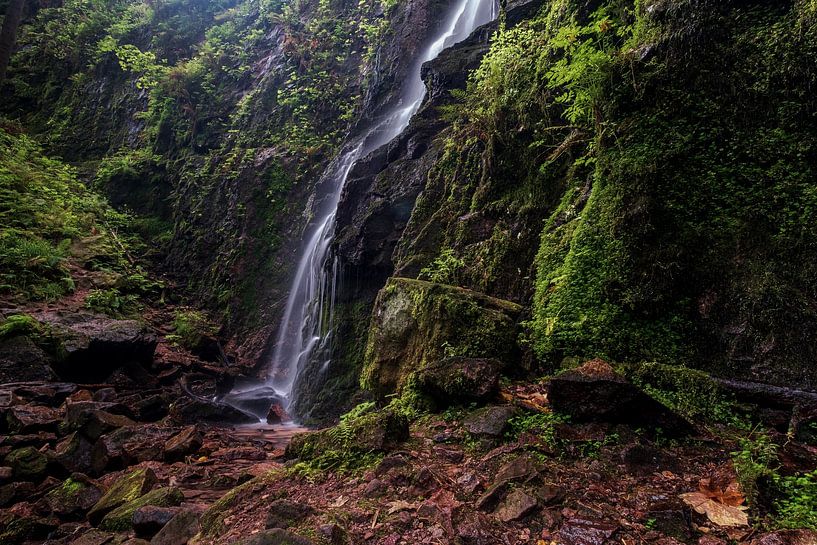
[27,463]
[121,518]
[415,323]
[127,489]
[72,497]
[212,521]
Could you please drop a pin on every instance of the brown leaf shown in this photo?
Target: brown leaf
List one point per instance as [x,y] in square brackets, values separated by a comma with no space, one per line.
[727,493]
[718,513]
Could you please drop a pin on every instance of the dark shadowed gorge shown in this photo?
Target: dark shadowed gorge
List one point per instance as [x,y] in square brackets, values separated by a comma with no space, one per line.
[397,272]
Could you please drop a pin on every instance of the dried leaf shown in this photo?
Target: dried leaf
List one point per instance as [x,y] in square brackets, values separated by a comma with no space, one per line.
[718,513]
[340,501]
[400,505]
[722,492]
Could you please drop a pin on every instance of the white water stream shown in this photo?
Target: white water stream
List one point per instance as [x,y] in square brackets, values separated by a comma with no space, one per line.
[305,332]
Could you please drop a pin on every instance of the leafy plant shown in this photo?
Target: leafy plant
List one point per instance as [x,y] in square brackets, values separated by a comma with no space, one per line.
[111,302]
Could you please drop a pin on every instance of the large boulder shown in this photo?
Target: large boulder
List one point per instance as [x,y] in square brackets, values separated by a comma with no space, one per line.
[595,392]
[128,446]
[74,453]
[179,531]
[460,380]
[73,497]
[31,419]
[27,463]
[91,346]
[416,323]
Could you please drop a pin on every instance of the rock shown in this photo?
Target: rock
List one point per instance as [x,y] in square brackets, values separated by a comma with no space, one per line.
[79,413]
[415,322]
[15,492]
[73,498]
[376,431]
[95,423]
[27,463]
[193,411]
[94,537]
[549,494]
[126,489]
[595,392]
[121,518]
[179,530]
[93,346]
[460,380]
[149,519]
[671,521]
[31,419]
[334,533]
[152,408]
[787,537]
[135,541]
[375,488]
[516,505]
[644,459]
[26,529]
[5,473]
[128,446]
[277,414]
[274,537]
[521,468]
[22,360]
[285,513]
[490,422]
[184,443]
[105,395]
[74,453]
[491,497]
[578,531]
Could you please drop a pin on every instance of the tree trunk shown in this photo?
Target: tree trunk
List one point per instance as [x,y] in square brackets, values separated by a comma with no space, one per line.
[8,34]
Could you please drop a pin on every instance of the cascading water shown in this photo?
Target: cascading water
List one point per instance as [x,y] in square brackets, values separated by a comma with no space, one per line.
[306,328]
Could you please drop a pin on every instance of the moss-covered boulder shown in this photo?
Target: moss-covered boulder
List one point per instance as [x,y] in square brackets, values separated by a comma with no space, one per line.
[350,442]
[127,489]
[27,463]
[415,323]
[121,518]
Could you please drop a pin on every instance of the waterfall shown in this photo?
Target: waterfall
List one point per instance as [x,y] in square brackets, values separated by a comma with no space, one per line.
[306,327]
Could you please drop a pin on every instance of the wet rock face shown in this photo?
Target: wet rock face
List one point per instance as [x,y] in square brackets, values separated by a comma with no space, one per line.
[416,323]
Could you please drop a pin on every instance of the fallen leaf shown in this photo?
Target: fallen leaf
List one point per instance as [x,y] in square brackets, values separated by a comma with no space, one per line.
[725,493]
[400,505]
[340,501]
[717,513]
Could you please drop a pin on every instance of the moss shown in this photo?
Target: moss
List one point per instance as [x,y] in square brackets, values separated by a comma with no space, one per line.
[27,463]
[126,489]
[417,322]
[212,521]
[121,518]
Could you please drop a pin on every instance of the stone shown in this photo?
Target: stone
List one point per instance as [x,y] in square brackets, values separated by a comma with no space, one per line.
[126,489]
[276,536]
[375,488]
[489,422]
[595,392]
[152,408]
[5,473]
[195,410]
[74,453]
[93,346]
[94,537]
[25,528]
[27,463]
[277,414]
[377,431]
[105,395]
[515,506]
[579,531]
[787,537]
[179,530]
[31,419]
[22,360]
[521,468]
[149,519]
[414,323]
[16,492]
[186,442]
[73,498]
[96,423]
[128,446]
[334,533]
[460,380]
[284,513]
[78,413]
[121,518]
